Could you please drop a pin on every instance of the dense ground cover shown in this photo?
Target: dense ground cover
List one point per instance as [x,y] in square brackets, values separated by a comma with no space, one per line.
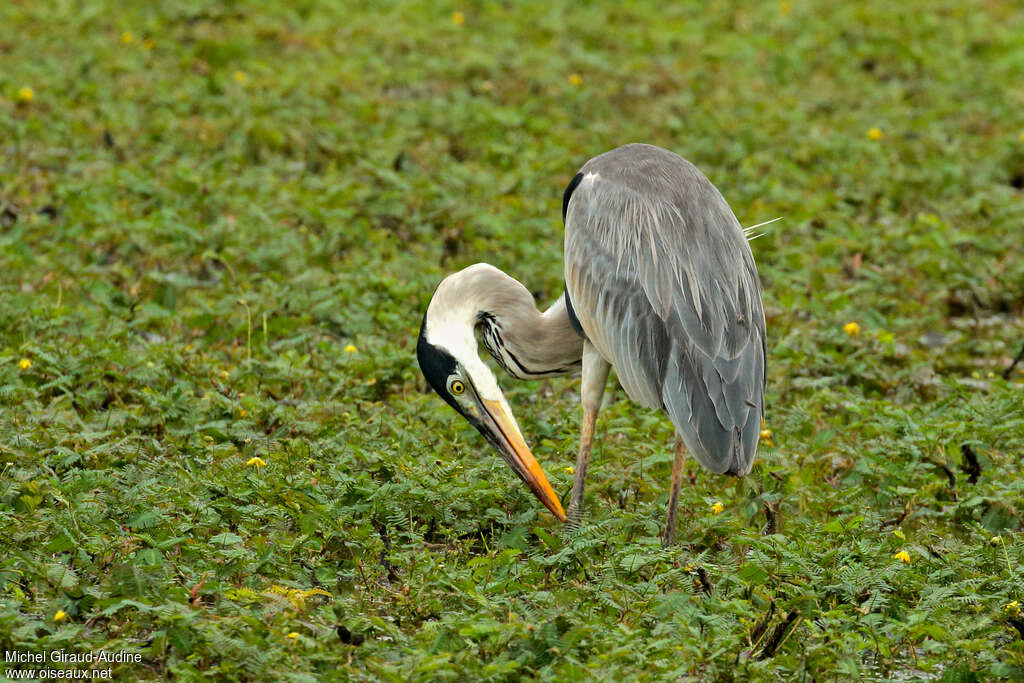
[221,224]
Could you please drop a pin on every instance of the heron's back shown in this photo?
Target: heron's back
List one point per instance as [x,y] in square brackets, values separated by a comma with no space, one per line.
[664,285]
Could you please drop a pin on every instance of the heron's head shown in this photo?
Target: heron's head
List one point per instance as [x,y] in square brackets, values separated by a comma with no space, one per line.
[448,356]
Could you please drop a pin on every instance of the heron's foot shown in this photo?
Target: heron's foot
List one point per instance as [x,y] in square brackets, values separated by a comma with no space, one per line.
[573,518]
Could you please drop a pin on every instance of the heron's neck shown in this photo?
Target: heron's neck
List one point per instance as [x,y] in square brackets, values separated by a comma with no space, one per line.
[528,344]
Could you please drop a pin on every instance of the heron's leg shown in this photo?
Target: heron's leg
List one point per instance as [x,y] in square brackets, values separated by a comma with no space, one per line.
[595,374]
[673,496]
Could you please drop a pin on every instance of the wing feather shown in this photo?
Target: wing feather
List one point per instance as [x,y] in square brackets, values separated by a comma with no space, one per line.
[664,285]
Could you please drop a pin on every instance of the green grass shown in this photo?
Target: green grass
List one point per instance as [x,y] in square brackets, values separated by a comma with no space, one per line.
[205,204]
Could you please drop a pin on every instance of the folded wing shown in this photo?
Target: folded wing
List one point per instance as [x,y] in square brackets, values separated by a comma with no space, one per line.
[663,282]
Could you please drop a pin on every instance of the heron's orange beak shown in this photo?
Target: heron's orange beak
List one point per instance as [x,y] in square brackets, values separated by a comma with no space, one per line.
[519,457]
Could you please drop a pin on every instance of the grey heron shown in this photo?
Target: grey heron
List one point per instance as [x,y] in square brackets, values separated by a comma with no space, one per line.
[660,283]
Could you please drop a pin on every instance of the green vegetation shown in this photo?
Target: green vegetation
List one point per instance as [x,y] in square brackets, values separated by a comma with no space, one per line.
[221,223]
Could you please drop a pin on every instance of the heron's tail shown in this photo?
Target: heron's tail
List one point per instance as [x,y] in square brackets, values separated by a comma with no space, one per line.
[718,417]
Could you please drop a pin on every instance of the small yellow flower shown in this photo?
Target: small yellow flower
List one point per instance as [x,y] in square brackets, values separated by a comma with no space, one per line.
[898,533]
[995,540]
[458,18]
[241,77]
[569,470]
[350,349]
[903,556]
[293,635]
[575,80]
[149,43]
[785,7]
[717,508]
[852,329]
[25,363]
[242,412]
[26,95]
[1012,608]
[256,462]
[875,134]
[223,374]
[127,38]
[60,616]
[1022,137]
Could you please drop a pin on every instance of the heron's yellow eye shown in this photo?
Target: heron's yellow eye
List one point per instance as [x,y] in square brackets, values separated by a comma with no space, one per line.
[457,387]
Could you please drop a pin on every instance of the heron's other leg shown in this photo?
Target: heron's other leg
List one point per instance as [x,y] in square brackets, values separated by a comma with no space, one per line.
[673,496]
[595,374]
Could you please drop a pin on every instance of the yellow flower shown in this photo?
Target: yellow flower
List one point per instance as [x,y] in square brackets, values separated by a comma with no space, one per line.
[785,7]
[293,635]
[902,556]
[458,18]
[256,462]
[25,363]
[350,349]
[852,329]
[242,412]
[241,77]
[60,616]
[127,38]
[26,95]
[717,508]
[575,80]
[1022,137]
[569,470]
[1012,608]
[995,540]
[148,43]
[875,134]
[898,533]
[224,374]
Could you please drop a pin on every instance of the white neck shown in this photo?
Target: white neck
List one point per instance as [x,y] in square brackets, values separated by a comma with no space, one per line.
[528,344]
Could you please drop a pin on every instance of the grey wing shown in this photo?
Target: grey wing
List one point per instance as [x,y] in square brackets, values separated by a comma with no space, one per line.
[663,282]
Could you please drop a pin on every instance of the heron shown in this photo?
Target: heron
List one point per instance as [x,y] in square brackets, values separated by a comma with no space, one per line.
[660,284]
